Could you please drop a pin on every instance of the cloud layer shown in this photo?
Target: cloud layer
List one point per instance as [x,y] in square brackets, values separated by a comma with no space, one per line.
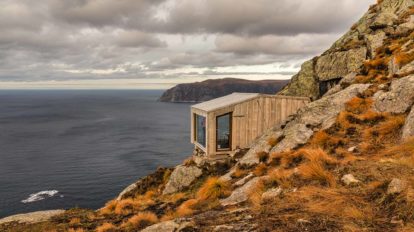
[143,39]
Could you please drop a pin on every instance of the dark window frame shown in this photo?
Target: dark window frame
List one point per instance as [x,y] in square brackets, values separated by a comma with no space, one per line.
[230,132]
[196,130]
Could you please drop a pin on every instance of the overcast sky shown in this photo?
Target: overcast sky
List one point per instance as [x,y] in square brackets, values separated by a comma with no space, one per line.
[153,43]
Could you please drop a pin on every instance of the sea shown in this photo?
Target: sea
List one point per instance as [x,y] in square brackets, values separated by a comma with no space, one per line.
[61,149]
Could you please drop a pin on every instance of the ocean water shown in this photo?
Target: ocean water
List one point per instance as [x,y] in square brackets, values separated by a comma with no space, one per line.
[68,148]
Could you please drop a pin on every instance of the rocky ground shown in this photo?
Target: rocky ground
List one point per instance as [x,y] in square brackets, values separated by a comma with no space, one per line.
[345,162]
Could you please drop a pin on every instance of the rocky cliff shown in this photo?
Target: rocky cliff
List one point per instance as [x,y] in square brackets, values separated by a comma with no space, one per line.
[345,162]
[209,89]
[347,55]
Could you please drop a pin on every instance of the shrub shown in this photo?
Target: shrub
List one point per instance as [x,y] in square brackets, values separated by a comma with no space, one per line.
[109,207]
[213,189]
[140,221]
[358,105]
[260,170]
[126,206]
[187,208]
[315,171]
[239,172]
[106,227]
[262,156]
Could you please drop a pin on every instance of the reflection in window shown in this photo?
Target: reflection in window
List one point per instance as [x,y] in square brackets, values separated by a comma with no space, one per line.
[200,130]
[223,132]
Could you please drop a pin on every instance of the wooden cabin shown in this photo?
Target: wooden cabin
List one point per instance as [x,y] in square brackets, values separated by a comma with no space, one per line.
[222,125]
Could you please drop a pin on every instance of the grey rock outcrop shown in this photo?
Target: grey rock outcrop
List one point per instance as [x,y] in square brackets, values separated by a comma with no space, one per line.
[322,113]
[33,217]
[182,177]
[398,99]
[126,191]
[240,194]
[408,129]
[167,226]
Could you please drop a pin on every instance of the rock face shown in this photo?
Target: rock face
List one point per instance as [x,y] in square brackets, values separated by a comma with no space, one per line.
[321,113]
[34,217]
[347,54]
[399,99]
[182,177]
[408,130]
[209,89]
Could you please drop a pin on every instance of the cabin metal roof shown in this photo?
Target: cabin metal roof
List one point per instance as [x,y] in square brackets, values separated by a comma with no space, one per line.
[228,100]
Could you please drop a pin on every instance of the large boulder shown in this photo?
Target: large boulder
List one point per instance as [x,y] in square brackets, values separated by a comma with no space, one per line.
[408,130]
[398,99]
[181,178]
[240,194]
[321,113]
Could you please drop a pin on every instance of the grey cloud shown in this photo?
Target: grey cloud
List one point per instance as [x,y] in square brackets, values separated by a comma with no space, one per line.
[303,44]
[263,17]
[138,39]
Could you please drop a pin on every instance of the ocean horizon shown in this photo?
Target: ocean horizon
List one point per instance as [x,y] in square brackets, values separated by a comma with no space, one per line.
[65,148]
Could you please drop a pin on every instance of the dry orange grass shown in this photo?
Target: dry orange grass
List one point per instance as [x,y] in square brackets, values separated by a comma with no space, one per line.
[139,221]
[74,221]
[386,131]
[213,189]
[312,155]
[260,169]
[126,206]
[106,227]
[403,58]
[358,105]
[187,208]
[316,171]
[334,202]
[239,172]
[109,207]
[279,177]
[255,195]
[404,149]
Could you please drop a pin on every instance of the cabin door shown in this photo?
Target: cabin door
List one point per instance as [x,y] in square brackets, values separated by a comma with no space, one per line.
[223,132]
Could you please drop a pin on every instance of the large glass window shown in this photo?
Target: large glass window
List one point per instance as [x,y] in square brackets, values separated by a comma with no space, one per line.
[224,132]
[200,129]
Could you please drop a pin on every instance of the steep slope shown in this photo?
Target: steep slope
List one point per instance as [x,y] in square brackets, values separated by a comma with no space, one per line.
[345,162]
[209,89]
[348,54]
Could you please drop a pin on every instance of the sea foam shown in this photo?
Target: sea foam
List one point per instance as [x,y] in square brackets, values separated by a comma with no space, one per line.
[40,196]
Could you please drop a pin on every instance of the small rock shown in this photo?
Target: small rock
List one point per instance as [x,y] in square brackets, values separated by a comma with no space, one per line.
[396,186]
[223,228]
[352,149]
[303,221]
[271,194]
[244,180]
[126,191]
[349,179]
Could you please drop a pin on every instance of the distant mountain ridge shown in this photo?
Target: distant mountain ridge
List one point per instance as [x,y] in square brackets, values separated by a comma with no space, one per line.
[209,89]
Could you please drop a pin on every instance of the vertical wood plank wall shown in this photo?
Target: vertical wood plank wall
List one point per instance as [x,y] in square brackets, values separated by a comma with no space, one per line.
[250,119]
